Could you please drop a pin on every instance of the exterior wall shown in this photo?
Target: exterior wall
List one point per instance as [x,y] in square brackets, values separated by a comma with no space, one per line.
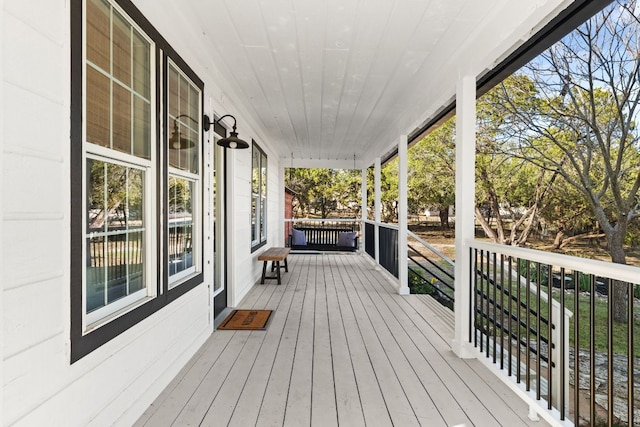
[240,227]
[115,383]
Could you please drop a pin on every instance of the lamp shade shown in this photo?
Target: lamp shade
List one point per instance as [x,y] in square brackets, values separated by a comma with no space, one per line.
[177,141]
[232,141]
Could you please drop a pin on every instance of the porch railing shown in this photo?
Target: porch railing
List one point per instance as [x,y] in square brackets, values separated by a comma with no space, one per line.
[430,271]
[322,232]
[387,246]
[547,321]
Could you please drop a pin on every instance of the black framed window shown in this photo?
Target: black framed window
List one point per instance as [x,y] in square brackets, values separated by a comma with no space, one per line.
[258,197]
[136,192]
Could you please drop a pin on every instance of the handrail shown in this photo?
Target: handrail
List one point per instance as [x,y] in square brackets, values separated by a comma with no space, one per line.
[516,335]
[621,272]
[294,220]
[431,248]
[448,274]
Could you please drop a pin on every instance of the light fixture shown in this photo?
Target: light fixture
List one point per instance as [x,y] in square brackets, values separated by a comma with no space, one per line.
[232,141]
[177,141]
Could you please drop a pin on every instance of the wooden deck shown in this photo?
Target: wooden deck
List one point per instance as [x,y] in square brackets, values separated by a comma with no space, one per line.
[342,348]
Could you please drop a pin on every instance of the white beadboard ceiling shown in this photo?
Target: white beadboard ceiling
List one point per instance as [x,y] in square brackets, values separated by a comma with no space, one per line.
[329,79]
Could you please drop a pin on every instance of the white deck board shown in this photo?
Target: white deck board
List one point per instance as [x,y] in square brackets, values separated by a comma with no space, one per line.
[342,348]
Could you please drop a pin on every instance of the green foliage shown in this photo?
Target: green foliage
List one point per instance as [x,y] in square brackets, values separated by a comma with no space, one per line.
[322,192]
[418,284]
[431,171]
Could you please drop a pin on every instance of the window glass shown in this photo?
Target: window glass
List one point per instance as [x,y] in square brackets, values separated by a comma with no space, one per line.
[98,30]
[117,118]
[115,233]
[98,108]
[184,100]
[123,232]
[184,122]
[118,108]
[181,218]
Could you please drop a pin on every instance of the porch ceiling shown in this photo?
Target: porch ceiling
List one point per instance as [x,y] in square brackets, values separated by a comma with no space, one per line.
[329,79]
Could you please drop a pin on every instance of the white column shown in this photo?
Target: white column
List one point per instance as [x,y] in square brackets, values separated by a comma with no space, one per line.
[465,202]
[364,210]
[377,206]
[281,240]
[403,274]
[4,104]
[230,232]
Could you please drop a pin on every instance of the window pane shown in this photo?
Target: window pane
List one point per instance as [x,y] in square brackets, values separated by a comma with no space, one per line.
[121,119]
[141,128]
[115,241]
[183,100]
[174,94]
[136,258]
[141,66]
[121,49]
[263,215]
[112,121]
[254,218]
[98,29]
[180,224]
[193,152]
[116,196]
[95,195]
[98,108]
[255,172]
[183,126]
[263,175]
[194,105]
[116,279]
[135,184]
[96,273]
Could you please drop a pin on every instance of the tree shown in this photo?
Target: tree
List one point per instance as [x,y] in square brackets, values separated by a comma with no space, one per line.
[589,90]
[431,172]
[323,191]
[509,189]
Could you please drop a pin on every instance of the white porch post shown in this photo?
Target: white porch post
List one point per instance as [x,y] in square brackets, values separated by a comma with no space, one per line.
[281,194]
[230,232]
[364,210]
[403,274]
[377,206]
[465,202]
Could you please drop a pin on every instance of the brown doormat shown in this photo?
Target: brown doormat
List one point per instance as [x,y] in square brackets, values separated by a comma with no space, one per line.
[247,320]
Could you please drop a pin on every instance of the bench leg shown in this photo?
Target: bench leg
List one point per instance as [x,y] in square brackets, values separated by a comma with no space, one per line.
[264,271]
[278,268]
[286,266]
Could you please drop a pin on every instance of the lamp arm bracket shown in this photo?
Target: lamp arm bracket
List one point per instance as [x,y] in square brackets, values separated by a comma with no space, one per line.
[207,122]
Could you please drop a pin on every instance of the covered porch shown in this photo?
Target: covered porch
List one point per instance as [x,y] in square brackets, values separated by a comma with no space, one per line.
[342,348]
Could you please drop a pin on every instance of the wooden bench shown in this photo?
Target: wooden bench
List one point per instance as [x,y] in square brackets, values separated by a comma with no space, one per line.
[275,255]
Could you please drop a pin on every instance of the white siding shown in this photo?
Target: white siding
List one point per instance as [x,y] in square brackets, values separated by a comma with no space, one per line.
[247,269]
[116,382]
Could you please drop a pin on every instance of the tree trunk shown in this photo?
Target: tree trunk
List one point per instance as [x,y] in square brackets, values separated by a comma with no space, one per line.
[617,289]
[559,237]
[568,240]
[487,227]
[444,217]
